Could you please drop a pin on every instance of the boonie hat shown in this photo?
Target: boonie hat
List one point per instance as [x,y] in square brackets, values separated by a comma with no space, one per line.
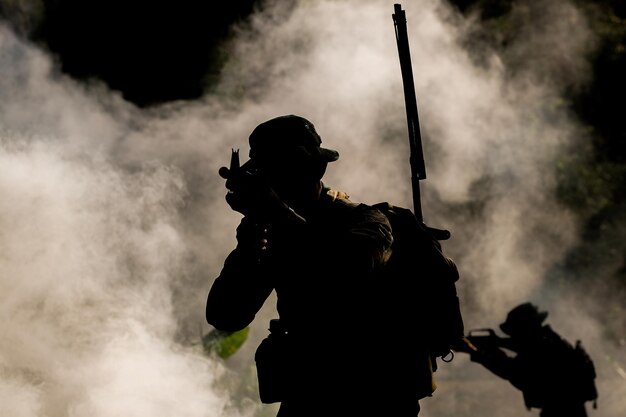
[524,317]
[287,137]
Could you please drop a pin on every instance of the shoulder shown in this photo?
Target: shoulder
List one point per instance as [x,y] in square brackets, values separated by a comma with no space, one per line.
[340,203]
[551,337]
[361,218]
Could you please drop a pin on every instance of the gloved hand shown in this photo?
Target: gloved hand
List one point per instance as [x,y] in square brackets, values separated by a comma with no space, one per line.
[253,237]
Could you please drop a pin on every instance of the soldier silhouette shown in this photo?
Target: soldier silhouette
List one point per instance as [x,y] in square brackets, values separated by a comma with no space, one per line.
[346,342]
[553,375]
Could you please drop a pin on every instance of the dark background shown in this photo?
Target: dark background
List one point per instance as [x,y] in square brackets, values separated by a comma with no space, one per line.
[151,51]
[157,51]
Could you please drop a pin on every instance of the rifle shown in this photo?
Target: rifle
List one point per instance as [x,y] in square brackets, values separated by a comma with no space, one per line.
[416,157]
[241,182]
[488,339]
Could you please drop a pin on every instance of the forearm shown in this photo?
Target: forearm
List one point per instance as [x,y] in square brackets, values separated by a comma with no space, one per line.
[238,293]
[496,361]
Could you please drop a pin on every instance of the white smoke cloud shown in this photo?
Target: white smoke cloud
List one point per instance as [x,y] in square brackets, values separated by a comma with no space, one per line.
[114,223]
[88,256]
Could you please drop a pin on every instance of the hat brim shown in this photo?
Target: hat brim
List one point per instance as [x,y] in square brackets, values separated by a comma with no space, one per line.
[316,154]
[328,155]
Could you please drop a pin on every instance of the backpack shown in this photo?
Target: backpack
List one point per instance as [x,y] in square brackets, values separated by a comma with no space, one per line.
[417,256]
[563,365]
[584,375]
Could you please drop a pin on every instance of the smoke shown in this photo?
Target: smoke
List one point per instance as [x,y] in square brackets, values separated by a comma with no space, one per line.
[114,222]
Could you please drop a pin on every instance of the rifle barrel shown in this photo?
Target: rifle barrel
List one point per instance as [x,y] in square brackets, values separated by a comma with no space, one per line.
[416,159]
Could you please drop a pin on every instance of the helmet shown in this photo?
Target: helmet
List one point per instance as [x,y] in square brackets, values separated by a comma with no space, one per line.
[523,319]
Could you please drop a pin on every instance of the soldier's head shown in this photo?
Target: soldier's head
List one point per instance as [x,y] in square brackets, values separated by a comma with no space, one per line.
[287,152]
[523,320]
